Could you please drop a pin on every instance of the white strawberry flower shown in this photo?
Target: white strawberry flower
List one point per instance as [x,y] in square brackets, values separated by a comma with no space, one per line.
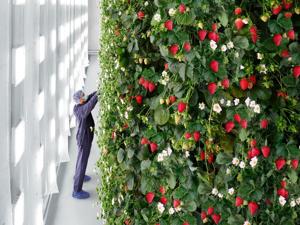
[247,223]
[235,161]
[201,106]
[222,101]
[187,154]
[247,101]
[157,17]
[160,208]
[252,104]
[253,162]
[169,150]
[160,157]
[223,48]
[236,101]
[172,12]
[164,73]
[213,45]
[260,56]
[215,191]
[231,191]
[217,108]
[164,153]
[236,55]
[171,211]
[298,201]
[242,67]
[228,103]
[146,3]
[256,109]
[242,165]
[220,195]
[245,21]
[293,203]
[228,171]
[282,201]
[230,45]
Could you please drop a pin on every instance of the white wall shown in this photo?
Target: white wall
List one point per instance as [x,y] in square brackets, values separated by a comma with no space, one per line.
[94,29]
[44,52]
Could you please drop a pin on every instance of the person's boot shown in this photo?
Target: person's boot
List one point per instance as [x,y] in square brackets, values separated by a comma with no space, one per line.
[81,194]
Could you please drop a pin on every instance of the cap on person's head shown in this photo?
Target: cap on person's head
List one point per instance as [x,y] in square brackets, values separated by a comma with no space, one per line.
[77,96]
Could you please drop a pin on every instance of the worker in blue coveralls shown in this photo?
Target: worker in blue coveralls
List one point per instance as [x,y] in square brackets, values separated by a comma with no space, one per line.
[85,134]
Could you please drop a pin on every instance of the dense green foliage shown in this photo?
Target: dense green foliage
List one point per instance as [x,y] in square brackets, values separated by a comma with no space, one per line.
[199,112]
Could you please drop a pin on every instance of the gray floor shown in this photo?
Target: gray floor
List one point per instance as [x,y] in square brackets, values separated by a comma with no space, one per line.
[64,210]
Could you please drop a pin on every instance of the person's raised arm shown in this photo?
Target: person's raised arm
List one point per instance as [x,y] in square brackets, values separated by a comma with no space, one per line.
[91,95]
[84,110]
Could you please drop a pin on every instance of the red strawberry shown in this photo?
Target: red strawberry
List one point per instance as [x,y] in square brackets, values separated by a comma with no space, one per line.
[140,15]
[291,34]
[187,135]
[181,107]
[214,66]
[174,49]
[277,9]
[253,32]
[202,34]
[285,53]
[277,38]
[127,222]
[151,87]
[169,25]
[149,197]
[141,80]
[255,152]
[164,200]
[287,5]
[225,83]
[295,163]
[238,11]
[146,84]
[210,210]
[264,123]
[182,8]
[244,123]
[213,36]
[280,163]
[176,203]
[166,66]
[265,151]
[238,201]
[172,99]
[296,71]
[186,223]
[202,155]
[283,184]
[162,190]
[153,147]
[211,158]
[237,117]
[212,88]
[214,27]
[253,207]
[187,46]
[239,23]
[139,99]
[244,84]
[288,15]
[283,192]
[216,218]
[253,143]
[252,79]
[229,126]
[144,141]
[197,136]
[203,215]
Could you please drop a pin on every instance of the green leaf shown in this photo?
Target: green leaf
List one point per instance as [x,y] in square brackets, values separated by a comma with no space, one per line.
[285,23]
[203,188]
[243,135]
[241,42]
[180,193]
[223,17]
[235,219]
[191,206]
[130,153]
[130,183]
[182,68]
[145,164]
[161,116]
[186,18]
[171,181]
[294,47]
[223,158]
[274,27]
[289,81]
[121,154]
[292,174]
[294,151]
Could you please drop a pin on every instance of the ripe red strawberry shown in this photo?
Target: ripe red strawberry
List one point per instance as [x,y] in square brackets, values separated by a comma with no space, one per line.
[182,8]
[174,49]
[285,53]
[225,83]
[149,197]
[253,32]
[214,27]
[187,46]
[291,34]
[139,99]
[144,141]
[288,15]
[181,107]
[283,184]
[203,215]
[295,163]
[296,71]
[166,66]
[252,79]
[214,66]
[212,88]
[238,11]
[153,147]
[277,38]
[210,210]
[211,158]
[213,36]
[287,5]
[253,143]
[186,223]
[140,15]
[141,81]
[229,126]
[264,123]
[151,87]
[216,218]
[176,203]
[280,163]
[187,135]
[255,152]
[244,84]
[265,151]
[237,117]
[197,136]
[239,201]
[169,25]
[172,99]
[239,23]
[244,123]
[202,34]
[283,192]
[127,222]
[253,207]
[146,84]
[162,190]
[164,200]
[277,9]
[202,155]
